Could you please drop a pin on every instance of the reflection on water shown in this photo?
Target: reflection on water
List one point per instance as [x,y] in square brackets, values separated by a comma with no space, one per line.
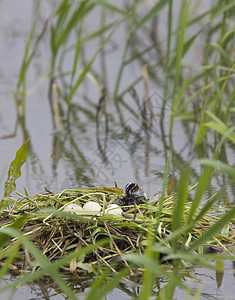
[102,139]
[202,281]
[205,281]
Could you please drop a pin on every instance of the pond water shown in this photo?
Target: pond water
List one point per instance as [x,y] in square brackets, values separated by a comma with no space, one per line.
[90,150]
[200,280]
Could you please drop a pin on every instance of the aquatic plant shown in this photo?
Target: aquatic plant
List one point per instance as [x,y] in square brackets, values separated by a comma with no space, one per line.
[37,232]
[176,229]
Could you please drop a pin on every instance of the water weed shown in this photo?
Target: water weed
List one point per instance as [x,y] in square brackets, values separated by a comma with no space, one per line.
[179,228]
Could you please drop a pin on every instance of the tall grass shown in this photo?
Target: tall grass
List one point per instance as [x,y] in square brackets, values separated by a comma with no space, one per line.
[178,247]
[213,77]
[29,53]
[202,94]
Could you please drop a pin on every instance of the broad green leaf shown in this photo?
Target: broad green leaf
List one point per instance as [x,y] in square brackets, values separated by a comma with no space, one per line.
[14,171]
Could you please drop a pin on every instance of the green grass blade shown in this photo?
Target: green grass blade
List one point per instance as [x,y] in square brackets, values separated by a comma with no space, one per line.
[222,52]
[21,79]
[78,47]
[98,33]
[220,165]
[219,272]
[179,205]
[155,268]
[148,278]
[202,260]
[180,47]
[179,96]
[132,30]
[185,48]
[209,204]
[62,13]
[4,238]
[46,266]
[150,15]
[77,15]
[24,66]
[201,188]
[205,88]
[217,88]
[41,258]
[202,130]
[160,205]
[213,230]
[111,7]
[149,263]
[222,8]
[10,255]
[125,51]
[180,42]
[220,127]
[88,66]
[96,284]
[100,291]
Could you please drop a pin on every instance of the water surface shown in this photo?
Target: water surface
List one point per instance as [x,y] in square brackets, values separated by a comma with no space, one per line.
[90,151]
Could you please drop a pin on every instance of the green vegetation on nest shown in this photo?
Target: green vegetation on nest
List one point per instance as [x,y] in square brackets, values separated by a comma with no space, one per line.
[94,243]
[36,230]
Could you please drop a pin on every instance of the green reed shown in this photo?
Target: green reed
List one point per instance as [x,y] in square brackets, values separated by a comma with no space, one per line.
[29,53]
[202,93]
[178,246]
[212,79]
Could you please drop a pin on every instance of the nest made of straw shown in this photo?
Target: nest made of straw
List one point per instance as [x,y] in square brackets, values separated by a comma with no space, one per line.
[57,233]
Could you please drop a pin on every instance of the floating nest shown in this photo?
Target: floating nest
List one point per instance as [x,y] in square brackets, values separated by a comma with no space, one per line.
[58,232]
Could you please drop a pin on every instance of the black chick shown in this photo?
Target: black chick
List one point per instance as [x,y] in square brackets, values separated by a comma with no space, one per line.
[131,198]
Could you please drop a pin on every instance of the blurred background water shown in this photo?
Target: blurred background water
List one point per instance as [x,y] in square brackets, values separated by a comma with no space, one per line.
[83,153]
[102,142]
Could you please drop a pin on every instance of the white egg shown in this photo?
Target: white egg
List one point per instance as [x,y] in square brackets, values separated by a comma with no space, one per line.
[74,208]
[92,206]
[114,209]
